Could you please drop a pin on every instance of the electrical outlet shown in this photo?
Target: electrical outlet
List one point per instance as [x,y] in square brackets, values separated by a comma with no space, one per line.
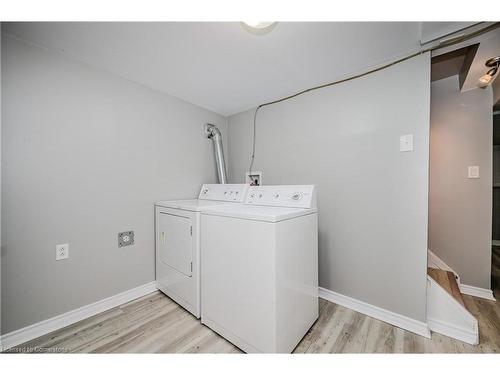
[126,238]
[254,178]
[62,251]
[473,171]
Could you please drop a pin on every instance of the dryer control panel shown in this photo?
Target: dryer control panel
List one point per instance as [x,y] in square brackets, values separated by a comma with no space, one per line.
[300,196]
[224,192]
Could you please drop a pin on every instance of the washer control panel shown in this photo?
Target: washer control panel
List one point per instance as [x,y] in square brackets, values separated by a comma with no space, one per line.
[224,192]
[301,196]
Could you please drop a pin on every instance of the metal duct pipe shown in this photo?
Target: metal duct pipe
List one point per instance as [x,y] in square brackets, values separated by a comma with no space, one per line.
[214,133]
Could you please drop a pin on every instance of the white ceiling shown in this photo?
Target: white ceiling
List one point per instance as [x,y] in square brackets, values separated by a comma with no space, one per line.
[220,66]
[436,30]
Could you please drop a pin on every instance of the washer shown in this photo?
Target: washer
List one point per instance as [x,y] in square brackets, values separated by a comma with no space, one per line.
[178,241]
[260,268]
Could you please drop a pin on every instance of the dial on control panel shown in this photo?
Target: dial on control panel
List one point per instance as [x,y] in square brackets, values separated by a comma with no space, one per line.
[223,192]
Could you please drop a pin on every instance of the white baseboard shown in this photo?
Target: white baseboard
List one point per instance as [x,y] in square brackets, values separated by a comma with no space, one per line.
[445,315]
[41,328]
[477,292]
[387,316]
[450,330]
[38,329]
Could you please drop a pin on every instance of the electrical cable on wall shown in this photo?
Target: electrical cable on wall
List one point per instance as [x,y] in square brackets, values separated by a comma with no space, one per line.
[253,143]
[444,44]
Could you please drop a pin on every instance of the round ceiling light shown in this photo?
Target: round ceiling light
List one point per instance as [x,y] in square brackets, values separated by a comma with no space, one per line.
[258,27]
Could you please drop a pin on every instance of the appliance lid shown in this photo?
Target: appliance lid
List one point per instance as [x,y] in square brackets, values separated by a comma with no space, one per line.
[189,204]
[258,213]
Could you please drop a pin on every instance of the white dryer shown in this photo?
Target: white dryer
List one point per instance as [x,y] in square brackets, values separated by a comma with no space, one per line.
[178,241]
[260,268]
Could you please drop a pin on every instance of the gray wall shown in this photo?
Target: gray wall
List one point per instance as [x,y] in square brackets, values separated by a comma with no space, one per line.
[460,208]
[372,198]
[84,156]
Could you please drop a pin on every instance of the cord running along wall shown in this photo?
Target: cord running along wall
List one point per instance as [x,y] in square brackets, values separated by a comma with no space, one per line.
[444,44]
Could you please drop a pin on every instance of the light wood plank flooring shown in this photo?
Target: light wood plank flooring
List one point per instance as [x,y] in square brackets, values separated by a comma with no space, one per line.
[155,324]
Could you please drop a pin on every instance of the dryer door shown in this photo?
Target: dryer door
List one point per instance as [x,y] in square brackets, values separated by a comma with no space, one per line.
[175,242]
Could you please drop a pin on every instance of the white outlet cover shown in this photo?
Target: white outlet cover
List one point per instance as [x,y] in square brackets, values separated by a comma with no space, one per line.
[473,171]
[62,251]
[406,143]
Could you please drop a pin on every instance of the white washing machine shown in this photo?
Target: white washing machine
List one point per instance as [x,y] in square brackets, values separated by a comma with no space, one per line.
[260,268]
[178,241]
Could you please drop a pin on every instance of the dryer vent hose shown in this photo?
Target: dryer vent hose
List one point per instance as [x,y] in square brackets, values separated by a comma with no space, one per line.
[214,133]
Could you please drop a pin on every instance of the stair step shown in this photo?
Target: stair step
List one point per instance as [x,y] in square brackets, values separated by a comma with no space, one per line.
[447,281]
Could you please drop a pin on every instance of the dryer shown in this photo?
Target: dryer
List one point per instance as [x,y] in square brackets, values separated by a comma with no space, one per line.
[260,268]
[177,243]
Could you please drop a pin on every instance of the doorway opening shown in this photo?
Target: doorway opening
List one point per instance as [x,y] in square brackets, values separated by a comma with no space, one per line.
[495,243]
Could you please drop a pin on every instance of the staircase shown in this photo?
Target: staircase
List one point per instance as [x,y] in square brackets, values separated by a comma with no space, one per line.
[447,281]
[446,311]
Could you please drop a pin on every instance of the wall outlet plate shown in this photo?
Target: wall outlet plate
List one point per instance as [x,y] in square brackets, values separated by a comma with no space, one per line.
[62,251]
[473,171]
[254,178]
[406,143]
[126,238]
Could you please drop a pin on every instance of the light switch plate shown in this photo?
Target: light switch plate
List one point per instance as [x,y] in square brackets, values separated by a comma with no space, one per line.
[406,143]
[473,171]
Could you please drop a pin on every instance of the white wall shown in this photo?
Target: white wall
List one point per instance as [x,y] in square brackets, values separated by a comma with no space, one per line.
[460,208]
[84,156]
[372,198]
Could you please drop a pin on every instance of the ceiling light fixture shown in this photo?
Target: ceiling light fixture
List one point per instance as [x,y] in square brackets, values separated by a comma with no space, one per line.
[494,64]
[258,27]
[485,79]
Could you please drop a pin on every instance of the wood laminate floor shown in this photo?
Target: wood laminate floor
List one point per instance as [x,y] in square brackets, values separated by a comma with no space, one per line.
[156,324]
